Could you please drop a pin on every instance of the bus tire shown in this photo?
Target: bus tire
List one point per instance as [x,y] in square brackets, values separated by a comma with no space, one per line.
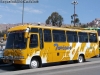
[34,64]
[98,56]
[81,59]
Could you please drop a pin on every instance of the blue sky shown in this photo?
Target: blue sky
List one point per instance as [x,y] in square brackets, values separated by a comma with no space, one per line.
[87,11]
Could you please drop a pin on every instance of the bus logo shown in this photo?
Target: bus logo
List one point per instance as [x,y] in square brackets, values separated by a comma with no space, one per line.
[62,47]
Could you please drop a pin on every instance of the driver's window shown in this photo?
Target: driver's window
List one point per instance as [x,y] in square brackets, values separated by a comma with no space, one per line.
[33,41]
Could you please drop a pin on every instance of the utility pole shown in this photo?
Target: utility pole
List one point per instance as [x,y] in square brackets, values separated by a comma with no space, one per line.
[23,12]
[74,3]
[26,1]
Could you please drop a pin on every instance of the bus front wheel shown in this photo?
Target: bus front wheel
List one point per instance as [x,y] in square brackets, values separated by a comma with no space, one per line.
[34,64]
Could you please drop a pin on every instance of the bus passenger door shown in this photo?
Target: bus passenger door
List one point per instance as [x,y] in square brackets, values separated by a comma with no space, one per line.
[47,50]
[34,44]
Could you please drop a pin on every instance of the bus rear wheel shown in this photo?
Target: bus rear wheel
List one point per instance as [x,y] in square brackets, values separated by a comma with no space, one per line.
[81,59]
[34,64]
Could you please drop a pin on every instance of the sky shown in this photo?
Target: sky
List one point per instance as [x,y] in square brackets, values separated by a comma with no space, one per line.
[87,11]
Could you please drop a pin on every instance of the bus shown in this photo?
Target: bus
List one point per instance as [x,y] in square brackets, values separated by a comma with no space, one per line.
[98,30]
[37,45]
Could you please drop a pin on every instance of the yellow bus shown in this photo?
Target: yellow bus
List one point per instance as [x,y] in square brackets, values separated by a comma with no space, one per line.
[36,45]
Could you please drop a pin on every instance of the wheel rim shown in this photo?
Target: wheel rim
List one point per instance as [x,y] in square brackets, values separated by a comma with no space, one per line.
[34,64]
[80,59]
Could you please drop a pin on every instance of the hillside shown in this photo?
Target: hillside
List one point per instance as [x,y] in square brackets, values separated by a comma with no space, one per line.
[5,26]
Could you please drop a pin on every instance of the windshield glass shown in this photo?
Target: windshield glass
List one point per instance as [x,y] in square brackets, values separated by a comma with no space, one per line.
[16,40]
[98,32]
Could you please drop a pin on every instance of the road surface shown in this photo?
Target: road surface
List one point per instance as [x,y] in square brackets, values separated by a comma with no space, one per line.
[77,70]
[83,70]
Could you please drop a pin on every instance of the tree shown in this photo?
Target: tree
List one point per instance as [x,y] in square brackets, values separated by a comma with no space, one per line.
[48,21]
[76,19]
[84,25]
[55,19]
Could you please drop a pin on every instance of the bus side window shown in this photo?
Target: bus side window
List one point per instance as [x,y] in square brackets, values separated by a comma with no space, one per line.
[33,41]
[72,36]
[59,36]
[92,37]
[47,35]
[98,32]
[83,36]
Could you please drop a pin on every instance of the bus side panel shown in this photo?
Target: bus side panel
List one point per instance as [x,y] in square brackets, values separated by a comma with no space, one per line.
[61,51]
[46,53]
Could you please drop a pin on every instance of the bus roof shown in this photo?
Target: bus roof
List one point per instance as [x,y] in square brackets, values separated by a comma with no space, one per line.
[23,27]
[92,28]
[19,27]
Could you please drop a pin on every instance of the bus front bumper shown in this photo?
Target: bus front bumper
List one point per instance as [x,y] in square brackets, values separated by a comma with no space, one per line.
[11,60]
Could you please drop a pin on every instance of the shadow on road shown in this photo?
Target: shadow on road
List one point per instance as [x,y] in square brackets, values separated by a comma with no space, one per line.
[11,68]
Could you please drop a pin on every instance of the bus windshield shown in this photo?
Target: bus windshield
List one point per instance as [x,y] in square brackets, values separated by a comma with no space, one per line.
[16,40]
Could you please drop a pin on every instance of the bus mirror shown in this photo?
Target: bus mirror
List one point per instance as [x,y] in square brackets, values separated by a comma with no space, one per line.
[5,37]
[26,33]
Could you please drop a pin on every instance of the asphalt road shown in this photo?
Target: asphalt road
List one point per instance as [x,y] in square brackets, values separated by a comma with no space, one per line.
[70,71]
[83,70]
